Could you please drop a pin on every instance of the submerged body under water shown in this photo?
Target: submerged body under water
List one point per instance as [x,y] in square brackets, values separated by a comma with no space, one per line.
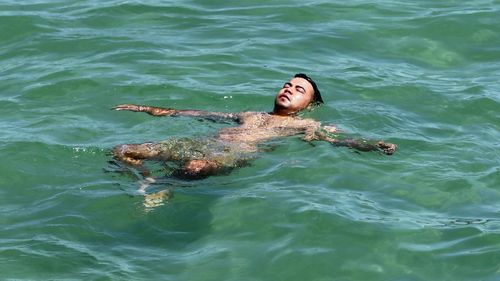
[180,151]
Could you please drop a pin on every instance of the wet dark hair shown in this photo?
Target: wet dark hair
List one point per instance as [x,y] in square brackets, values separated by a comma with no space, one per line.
[317,95]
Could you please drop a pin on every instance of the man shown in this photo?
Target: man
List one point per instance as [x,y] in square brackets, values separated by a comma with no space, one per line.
[233,147]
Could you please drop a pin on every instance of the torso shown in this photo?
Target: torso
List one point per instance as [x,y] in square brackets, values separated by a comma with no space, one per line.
[257,127]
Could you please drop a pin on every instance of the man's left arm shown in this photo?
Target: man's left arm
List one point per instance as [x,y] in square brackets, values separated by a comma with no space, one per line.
[325,133]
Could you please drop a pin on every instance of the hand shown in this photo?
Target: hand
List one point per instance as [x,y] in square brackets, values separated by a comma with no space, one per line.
[130,107]
[331,129]
[387,148]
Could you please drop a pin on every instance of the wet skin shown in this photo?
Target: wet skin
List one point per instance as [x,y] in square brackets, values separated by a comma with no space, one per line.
[253,128]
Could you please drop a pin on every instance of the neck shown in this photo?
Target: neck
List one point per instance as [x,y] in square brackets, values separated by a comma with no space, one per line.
[281,111]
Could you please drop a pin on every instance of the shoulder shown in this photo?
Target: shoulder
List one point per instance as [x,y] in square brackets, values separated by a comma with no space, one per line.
[306,120]
[251,114]
[307,123]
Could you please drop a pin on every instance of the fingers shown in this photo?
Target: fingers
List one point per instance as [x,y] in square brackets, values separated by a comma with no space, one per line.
[390,150]
[124,107]
[131,107]
[387,148]
[330,129]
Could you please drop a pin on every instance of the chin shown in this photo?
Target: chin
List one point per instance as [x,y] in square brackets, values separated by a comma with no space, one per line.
[278,106]
[282,104]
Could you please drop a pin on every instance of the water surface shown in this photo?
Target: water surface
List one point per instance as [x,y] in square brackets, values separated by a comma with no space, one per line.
[423,75]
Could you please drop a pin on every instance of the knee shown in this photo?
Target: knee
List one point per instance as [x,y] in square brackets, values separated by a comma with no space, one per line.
[120,153]
[143,151]
[129,153]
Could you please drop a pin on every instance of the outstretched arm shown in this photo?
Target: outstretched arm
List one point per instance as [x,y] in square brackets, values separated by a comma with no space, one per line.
[159,111]
[325,134]
[362,145]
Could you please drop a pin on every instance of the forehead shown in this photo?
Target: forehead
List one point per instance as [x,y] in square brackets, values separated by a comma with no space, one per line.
[303,83]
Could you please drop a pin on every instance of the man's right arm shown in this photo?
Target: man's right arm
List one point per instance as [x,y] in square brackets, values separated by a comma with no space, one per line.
[159,111]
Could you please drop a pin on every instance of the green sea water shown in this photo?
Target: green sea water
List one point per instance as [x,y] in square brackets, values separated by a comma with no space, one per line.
[422,74]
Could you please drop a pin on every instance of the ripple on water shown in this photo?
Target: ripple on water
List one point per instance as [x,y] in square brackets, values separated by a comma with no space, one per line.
[421,74]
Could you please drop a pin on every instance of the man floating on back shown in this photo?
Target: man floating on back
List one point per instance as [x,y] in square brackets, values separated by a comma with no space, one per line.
[235,146]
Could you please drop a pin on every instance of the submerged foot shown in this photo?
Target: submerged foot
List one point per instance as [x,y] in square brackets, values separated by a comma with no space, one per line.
[156,199]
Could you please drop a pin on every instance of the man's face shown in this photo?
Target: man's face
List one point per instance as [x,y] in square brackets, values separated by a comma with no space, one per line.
[295,96]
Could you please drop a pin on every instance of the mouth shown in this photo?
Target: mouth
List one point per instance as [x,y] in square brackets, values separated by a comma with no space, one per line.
[284,96]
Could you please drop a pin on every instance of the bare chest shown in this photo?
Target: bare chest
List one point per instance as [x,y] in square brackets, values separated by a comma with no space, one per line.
[267,121]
